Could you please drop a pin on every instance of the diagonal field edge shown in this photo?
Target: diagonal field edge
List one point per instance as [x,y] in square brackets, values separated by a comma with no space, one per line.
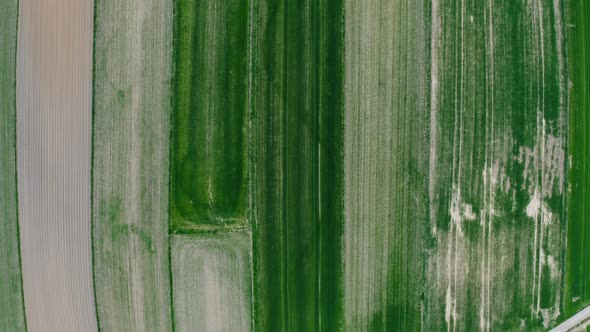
[575,321]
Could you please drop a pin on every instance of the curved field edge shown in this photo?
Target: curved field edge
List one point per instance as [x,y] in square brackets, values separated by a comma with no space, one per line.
[131,111]
[12,313]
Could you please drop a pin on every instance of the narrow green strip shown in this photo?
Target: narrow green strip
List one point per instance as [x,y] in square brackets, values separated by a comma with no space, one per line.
[386,163]
[12,314]
[577,293]
[298,107]
[132,73]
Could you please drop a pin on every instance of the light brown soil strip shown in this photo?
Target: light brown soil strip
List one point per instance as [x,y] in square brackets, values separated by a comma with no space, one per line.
[54,84]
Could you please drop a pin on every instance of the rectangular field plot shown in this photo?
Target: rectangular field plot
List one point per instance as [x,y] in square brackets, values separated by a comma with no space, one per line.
[212,281]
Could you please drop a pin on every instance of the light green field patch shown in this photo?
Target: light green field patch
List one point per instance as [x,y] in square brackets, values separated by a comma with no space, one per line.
[386,163]
[132,71]
[212,279]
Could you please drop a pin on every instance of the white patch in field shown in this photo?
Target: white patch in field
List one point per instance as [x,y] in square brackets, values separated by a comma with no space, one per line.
[532,209]
[549,315]
[455,208]
[547,214]
[460,211]
[449,310]
[548,158]
[483,322]
[468,212]
[553,165]
[507,185]
[553,266]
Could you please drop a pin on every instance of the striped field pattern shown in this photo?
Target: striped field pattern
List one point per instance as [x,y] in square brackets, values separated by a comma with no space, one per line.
[311,165]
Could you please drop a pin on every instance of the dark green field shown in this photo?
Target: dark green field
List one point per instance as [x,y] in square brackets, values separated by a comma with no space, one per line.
[211,92]
[577,291]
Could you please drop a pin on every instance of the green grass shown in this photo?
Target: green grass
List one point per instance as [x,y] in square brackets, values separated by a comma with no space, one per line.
[209,142]
[12,314]
[577,294]
[298,101]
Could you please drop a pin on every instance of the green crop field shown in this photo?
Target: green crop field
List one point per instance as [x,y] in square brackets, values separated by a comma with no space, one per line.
[312,165]
[577,268]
